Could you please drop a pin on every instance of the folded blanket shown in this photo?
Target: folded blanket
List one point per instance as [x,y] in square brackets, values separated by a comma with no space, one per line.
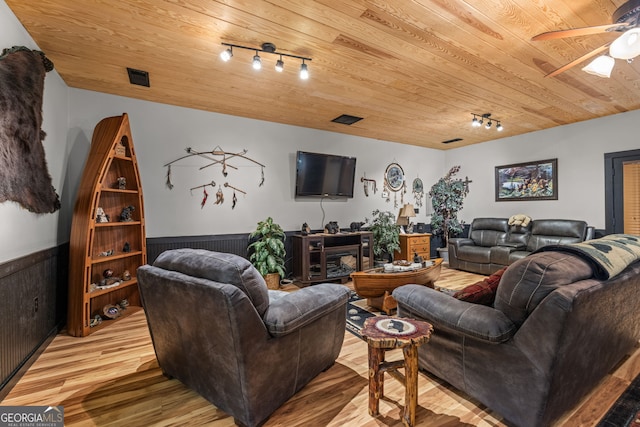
[608,255]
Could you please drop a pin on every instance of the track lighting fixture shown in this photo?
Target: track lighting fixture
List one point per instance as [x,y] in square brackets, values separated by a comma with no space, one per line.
[480,119]
[227,54]
[257,63]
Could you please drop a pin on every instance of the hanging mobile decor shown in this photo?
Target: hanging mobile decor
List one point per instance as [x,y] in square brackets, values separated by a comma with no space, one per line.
[234,199]
[219,157]
[169,184]
[219,196]
[205,196]
[418,192]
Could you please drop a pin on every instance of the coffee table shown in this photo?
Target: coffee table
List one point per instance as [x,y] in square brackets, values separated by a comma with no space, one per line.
[376,285]
[384,333]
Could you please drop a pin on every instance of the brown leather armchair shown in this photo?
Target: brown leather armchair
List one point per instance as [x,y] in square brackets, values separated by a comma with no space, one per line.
[217,328]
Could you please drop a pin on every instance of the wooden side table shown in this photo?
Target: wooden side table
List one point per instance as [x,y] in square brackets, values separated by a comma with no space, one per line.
[416,243]
[384,333]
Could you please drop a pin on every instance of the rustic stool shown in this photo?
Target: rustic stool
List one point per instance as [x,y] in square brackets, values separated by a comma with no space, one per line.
[384,333]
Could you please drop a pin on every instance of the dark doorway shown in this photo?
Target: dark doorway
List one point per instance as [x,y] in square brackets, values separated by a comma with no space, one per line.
[622,192]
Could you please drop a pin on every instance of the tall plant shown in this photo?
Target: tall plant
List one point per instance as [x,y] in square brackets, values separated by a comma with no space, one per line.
[386,233]
[447,197]
[268,252]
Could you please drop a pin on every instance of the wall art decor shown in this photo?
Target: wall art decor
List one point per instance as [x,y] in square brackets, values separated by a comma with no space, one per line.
[536,180]
[394,181]
[221,158]
[24,176]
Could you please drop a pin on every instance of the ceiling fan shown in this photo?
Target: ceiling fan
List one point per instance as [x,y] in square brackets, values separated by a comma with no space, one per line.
[627,46]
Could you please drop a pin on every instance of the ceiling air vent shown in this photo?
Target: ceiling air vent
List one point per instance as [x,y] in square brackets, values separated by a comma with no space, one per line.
[138,77]
[449,141]
[346,119]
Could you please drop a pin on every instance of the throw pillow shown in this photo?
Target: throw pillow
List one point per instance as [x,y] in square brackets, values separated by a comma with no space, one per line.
[482,292]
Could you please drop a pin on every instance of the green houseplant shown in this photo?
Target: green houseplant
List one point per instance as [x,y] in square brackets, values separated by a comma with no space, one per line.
[386,234]
[447,197]
[268,252]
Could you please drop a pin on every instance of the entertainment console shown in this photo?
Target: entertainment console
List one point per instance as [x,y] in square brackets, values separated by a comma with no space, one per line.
[330,257]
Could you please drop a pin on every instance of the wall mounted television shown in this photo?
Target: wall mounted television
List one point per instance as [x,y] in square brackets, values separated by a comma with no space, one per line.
[324,175]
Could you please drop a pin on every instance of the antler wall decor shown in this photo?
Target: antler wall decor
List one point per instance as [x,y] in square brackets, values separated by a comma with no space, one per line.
[218,157]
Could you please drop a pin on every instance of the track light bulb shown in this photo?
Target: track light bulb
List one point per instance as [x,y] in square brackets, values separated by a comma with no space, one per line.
[279,65]
[304,72]
[226,54]
[474,122]
[488,125]
[257,63]
[499,128]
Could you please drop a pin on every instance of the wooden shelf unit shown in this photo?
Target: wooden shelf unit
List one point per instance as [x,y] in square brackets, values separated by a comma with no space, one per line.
[99,246]
[326,257]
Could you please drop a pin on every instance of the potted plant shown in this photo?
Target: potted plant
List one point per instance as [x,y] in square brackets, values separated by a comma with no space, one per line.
[447,196]
[268,252]
[386,233]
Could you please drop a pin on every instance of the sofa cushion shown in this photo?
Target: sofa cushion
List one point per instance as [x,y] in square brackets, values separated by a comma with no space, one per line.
[556,232]
[529,280]
[488,231]
[218,267]
[482,292]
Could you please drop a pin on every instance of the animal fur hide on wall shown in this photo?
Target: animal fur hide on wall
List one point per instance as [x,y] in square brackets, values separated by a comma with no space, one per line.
[24,177]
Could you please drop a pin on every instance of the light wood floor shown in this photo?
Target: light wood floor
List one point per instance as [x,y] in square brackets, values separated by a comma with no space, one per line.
[111,378]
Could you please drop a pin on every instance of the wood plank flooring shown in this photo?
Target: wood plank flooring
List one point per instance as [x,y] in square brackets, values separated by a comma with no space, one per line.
[111,378]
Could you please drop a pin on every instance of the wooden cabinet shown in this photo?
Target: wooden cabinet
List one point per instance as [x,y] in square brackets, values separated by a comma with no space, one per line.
[330,257]
[107,231]
[414,243]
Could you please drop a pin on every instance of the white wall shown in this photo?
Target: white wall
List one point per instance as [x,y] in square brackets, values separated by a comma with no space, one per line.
[162,132]
[21,231]
[579,148]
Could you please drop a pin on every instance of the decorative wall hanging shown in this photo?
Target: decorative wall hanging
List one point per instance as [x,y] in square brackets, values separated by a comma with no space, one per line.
[394,181]
[527,181]
[418,192]
[217,157]
[367,183]
[24,177]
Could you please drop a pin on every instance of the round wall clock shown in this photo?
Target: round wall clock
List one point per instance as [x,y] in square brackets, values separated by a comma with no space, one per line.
[394,176]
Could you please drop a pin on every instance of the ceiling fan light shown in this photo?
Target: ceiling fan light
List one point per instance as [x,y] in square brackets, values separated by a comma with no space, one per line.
[601,66]
[627,46]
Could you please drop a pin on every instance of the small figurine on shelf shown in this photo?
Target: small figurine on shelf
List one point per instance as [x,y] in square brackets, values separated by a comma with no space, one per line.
[127,214]
[106,253]
[101,216]
[305,229]
[124,304]
[122,183]
[126,248]
[126,275]
[111,311]
[107,273]
[95,321]
[121,150]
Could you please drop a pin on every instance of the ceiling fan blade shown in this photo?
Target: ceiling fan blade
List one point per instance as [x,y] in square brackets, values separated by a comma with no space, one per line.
[584,31]
[579,60]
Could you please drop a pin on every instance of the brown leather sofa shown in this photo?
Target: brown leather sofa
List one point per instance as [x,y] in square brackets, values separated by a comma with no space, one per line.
[552,334]
[217,328]
[493,243]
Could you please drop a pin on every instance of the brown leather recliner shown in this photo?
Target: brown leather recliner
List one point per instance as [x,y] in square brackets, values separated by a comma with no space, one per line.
[217,328]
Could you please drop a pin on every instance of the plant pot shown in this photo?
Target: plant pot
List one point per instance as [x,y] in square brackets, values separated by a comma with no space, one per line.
[273,280]
[444,254]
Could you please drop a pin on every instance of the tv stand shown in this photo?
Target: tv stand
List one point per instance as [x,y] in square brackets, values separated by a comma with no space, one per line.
[326,257]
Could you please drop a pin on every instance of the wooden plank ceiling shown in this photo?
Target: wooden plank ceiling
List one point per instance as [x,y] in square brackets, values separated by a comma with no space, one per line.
[414,70]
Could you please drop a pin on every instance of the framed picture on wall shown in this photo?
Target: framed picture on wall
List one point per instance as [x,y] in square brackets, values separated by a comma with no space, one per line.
[527,181]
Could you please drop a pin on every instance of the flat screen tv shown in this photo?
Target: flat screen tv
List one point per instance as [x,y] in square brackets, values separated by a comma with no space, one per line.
[324,175]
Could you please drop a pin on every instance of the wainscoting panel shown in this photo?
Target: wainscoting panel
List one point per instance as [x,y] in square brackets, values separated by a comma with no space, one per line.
[229,243]
[32,308]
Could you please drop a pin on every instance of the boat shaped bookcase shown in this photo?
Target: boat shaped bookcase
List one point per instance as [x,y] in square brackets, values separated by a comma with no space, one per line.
[117,245]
